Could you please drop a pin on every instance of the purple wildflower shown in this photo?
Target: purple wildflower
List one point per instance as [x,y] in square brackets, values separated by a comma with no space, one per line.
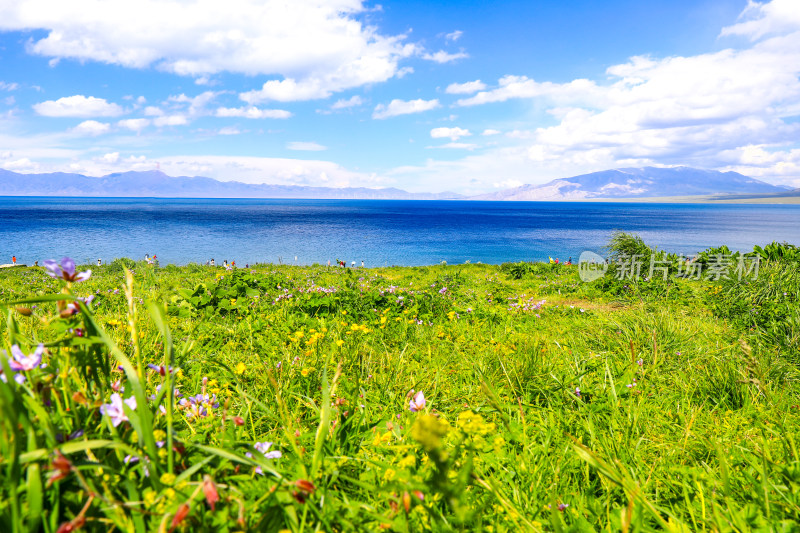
[20,362]
[264,447]
[115,410]
[417,402]
[65,270]
[19,378]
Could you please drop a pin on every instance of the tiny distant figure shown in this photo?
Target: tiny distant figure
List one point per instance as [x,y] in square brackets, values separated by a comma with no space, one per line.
[99,262]
[569,261]
[155,257]
[556,260]
[295,259]
[225,263]
[14,259]
[36,263]
[551,259]
[247,265]
[147,257]
[352,264]
[233,264]
[212,262]
[329,262]
[362,263]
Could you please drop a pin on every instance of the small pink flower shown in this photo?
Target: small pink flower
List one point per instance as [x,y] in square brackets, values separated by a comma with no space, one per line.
[21,362]
[417,402]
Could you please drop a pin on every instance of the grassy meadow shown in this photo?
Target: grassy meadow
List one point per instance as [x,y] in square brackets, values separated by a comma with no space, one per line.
[282,398]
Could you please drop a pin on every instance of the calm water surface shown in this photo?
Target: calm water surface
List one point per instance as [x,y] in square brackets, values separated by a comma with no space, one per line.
[390,232]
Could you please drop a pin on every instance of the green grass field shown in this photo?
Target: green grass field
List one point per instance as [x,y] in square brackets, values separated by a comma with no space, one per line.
[549,404]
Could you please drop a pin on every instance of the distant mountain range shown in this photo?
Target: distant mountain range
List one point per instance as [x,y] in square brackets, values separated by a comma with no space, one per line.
[623,183]
[154,183]
[647,182]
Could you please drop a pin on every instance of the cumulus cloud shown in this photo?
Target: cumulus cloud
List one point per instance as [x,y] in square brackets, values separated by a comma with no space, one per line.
[451,133]
[454,36]
[510,87]
[760,19]
[487,132]
[318,47]
[78,106]
[20,165]
[153,111]
[404,107]
[134,124]
[195,105]
[252,112]
[305,146]
[91,127]
[444,57]
[465,88]
[353,101]
[170,120]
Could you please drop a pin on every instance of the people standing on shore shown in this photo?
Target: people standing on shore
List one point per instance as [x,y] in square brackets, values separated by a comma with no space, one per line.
[99,262]
[362,263]
[14,259]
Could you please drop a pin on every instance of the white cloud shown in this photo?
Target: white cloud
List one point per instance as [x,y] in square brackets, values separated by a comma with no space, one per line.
[454,36]
[78,106]
[451,133]
[288,90]
[153,111]
[403,107]
[320,45]
[488,132]
[170,120]
[204,80]
[510,87]
[465,88]
[280,171]
[353,101]
[305,146]
[252,112]
[194,101]
[111,158]
[760,19]
[134,124]
[456,145]
[91,127]
[5,86]
[20,165]
[229,130]
[444,57]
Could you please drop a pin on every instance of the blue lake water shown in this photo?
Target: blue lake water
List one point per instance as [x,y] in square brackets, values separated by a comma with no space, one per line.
[379,232]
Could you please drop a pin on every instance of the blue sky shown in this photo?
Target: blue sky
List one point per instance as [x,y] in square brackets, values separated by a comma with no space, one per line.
[426,96]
